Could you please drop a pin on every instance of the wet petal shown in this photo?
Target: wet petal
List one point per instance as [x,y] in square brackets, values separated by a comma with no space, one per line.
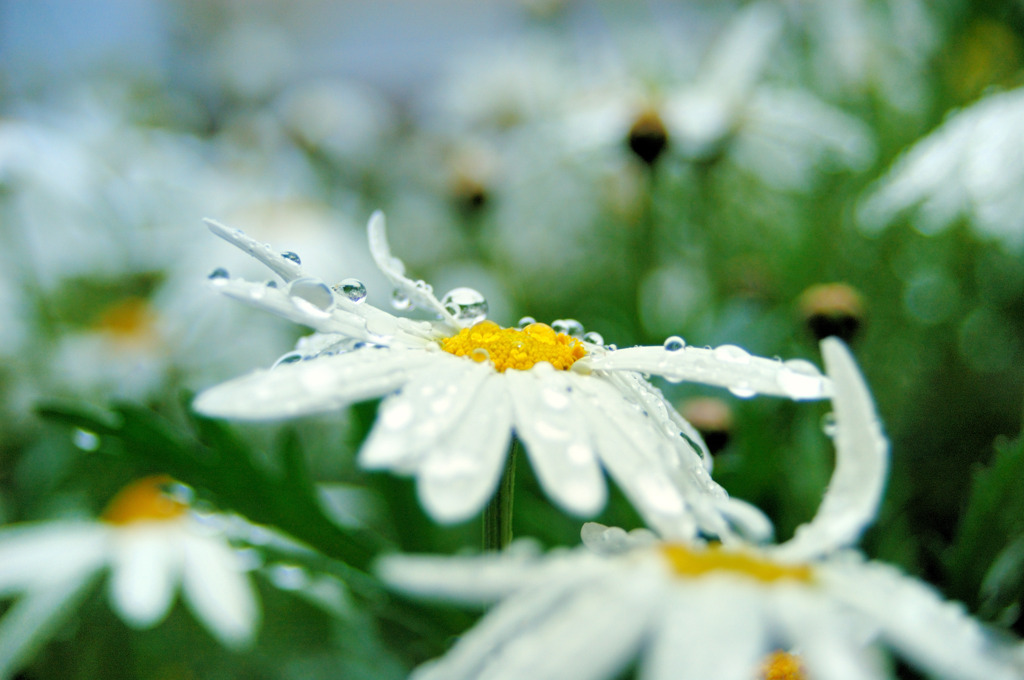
[862,462]
[314,386]
[145,564]
[218,590]
[725,366]
[557,440]
[35,554]
[426,409]
[460,473]
[282,266]
[394,270]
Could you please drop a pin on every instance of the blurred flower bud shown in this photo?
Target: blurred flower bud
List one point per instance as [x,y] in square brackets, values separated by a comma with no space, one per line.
[832,309]
[648,137]
[713,419]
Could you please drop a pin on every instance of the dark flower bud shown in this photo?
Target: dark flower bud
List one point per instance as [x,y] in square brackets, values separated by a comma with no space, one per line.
[832,309]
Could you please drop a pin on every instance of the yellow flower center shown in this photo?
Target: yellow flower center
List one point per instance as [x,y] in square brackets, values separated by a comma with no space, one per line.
[781,665]
[144,500]
[129,321]
[511,348]
[714,559]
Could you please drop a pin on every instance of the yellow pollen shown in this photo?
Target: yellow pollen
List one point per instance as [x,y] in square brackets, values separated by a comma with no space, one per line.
[781,665]
[715,560]
[511,348]
[143,500]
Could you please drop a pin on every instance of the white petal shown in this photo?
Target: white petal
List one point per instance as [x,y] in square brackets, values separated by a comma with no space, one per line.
[296,309]
[477,580]
[28,623]
[739,55]
[557,440]
[583,626]
[394,270]
[828,640]
[145,563]
[459,474]
[218,590]
[708,630]
[434,401]
[282,266]
[932,633]
[725,366]
[862,461]
[313,386]
[32,555]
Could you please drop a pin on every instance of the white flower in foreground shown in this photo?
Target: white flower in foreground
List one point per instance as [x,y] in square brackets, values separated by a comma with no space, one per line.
[697,611]
[457,388]
[970,168]
[150,542]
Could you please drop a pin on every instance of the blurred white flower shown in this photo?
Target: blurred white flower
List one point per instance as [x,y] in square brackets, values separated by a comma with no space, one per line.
[970,168]
[692,610]
[457,388]
[151,543]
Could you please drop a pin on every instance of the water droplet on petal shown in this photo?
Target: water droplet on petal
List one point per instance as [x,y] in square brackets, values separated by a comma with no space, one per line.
[594,338]
[611,348]
[479,355]
[828,424]
[85,440]
[313,291]
[732,354]
[742,390]
[570,327]
[289,358]
[400,301]
[674,343]
[525,321]
[219,275]
[353,289]
[289,255]
[288,576]
[468,306]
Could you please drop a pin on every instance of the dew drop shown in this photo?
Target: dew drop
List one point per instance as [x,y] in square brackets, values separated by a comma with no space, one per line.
[467,305]
[294,257]
[271,284]
[742,390]
[594,338]
[800,379]
[289,358]
[219,275]
[313,291]
[611,348]
[400,301]
[479,355]
[525,321]
[674,343]
[732,354]
[85,440]
[570,327]
[288,576]
[828,424]
[352,289]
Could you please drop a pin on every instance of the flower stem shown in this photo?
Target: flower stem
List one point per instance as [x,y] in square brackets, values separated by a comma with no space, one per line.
[498,513]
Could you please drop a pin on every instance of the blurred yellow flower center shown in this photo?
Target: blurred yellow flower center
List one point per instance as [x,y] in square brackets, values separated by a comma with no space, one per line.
[781,665]
[715,560]
[144,500]
[130,320]
[518,349]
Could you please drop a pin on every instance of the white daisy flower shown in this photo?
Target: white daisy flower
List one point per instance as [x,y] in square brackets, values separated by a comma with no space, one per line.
[151,543]
[456,389]
[692,610]
[969,168]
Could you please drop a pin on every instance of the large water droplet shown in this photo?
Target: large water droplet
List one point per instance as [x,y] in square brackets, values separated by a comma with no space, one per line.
[219,275]
[400,301]
[468,306]
[353,289]
[289,358]
[85,440]
[479,355]
[828,424]
[594,338]
[732,354]
[674,343]
[525,321]
[294,257]
[313,291]
[570,327]
[742,390]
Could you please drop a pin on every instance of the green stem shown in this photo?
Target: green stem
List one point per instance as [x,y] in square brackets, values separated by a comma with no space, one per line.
[498,513]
